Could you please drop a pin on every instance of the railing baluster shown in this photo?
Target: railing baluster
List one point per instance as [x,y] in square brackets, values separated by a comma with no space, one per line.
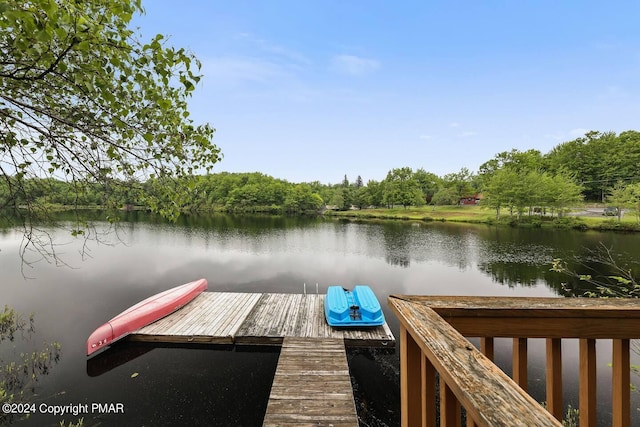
[410,385]
[428,393]
[468,377]
[450,413]
[470,422]
[520,362]
[554,377]
[621,383]
[587,383]
[486,347]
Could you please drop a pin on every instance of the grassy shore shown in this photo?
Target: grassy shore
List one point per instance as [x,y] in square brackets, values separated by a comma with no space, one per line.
[481,215]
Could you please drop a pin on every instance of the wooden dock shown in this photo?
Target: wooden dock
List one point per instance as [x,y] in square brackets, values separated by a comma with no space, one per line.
[255,319]
[312,386]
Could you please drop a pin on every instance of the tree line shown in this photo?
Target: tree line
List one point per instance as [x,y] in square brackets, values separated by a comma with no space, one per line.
[518,182]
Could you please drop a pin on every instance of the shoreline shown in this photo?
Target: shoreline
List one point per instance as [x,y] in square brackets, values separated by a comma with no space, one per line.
[454,214]
[477,215]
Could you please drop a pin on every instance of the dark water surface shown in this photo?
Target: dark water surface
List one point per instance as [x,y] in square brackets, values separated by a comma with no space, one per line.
[165,386]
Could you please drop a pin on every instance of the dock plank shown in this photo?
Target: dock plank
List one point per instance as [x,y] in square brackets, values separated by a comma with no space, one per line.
[212,317]
[255,319]
[312,385]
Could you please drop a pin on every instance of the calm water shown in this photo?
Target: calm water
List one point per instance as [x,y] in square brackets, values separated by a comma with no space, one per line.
[230,386]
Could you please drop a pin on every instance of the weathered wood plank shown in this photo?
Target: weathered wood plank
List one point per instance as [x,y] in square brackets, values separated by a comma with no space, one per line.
[554,377]
[520,365]
[621,400]
[428,389]
[312,385]
[213,317]
[469,306]
[536,317]
[410,385]
[450,414]
[487,347]
[297,315]
[468,373]
[252,318]
[588,381]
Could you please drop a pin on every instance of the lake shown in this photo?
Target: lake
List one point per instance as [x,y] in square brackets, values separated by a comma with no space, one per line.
[121,265]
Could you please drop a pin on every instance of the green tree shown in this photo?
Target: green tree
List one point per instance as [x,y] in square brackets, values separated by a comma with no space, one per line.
[338,199]
[446,196]
[597,160]
[460,181]
[85,100]
[498,191]
[300,198]
[625,196]
[402,188]
[428,182]
[520,162]
[373,193]
[563,192]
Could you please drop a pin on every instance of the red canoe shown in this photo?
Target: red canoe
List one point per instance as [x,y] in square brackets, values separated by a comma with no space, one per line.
[144,313]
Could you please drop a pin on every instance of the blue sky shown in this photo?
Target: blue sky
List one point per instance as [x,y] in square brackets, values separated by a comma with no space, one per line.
[313,90]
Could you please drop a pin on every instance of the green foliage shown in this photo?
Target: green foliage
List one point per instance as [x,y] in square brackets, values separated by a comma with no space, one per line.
[571,416]
[598,160]
[401,188]
[85,100]
[428,182]
[17,377]
[461,183]
[446,196]
[524,191]
[626,196]
[300,199]
[373,193]
[619,282]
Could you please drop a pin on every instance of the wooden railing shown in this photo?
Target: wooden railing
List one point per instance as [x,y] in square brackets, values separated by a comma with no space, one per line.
[432,340]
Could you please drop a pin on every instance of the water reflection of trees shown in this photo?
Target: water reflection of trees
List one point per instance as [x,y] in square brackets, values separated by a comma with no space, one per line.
[20,371]
[514,257]
[421,242]
[397,244]
[523,257]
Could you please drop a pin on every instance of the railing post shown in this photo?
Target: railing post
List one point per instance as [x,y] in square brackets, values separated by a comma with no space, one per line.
[410,380]
[450,413]
[554,377]
[587,382]
[520,362]
[428,393]
[486,347]
[621,399]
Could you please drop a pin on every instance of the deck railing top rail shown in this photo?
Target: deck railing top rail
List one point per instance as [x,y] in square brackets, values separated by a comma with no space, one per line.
[595,318]
[490,397]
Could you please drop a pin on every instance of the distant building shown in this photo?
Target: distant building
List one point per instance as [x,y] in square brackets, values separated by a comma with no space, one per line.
[471,200]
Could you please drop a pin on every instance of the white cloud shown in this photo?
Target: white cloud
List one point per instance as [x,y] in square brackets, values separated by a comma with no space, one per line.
[233,71]
[275,49]
[454,124]
[467,134]
[354,65]
[425,137]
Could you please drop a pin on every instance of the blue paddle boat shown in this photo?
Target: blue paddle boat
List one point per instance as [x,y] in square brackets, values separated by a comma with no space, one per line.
[356,308]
